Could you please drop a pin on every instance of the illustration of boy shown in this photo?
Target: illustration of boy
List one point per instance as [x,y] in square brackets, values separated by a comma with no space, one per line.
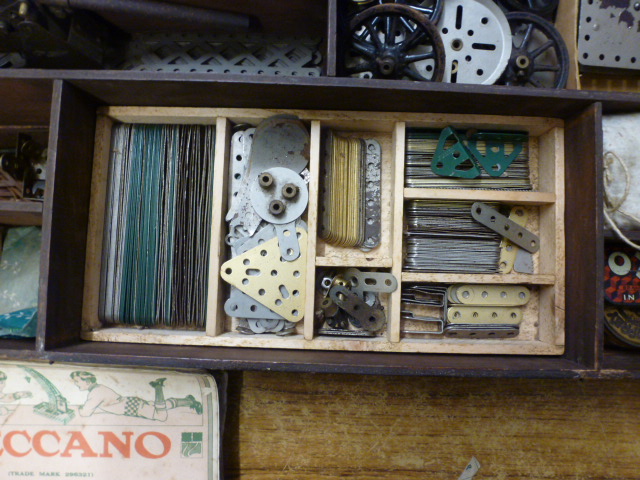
[102,399]
[9,397]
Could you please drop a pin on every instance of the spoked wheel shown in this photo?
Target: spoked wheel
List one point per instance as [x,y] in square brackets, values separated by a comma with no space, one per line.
[539,57]
[431,8]
[394,41]
[544,8]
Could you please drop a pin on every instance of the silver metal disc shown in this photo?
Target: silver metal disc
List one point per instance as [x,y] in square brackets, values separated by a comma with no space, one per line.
[477,41]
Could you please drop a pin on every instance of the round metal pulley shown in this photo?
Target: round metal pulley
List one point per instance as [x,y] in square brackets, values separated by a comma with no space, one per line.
[539,57]
[393,40]
[477,41]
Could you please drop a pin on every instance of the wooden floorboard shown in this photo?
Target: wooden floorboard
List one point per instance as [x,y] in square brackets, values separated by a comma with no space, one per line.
[293,426]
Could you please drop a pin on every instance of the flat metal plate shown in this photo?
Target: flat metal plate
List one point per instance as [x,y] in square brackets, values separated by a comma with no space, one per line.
[609,34]
[262,274]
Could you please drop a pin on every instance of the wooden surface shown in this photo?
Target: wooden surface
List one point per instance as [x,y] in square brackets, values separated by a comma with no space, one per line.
[65,216]
[300,426]
[20,212]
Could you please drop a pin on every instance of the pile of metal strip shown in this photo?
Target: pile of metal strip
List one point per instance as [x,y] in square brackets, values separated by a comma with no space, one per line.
[267,197]
[444,237]
[463,311]
[349,304]
[421,145]
[157,225]
[350,207]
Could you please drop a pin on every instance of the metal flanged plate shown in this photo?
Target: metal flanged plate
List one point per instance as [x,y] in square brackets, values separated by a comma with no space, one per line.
[369,318]
[477,41]
[262,274]
[264,198]
[485,295]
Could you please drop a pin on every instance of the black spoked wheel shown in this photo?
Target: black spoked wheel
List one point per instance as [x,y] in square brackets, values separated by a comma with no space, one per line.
[394,41]
[539,57]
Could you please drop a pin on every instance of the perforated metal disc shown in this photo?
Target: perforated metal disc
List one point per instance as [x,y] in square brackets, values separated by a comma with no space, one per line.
[477,41]
[609,34]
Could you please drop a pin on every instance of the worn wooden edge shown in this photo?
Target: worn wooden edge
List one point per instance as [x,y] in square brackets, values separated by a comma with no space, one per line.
[215,292]
[272,341]
[552,228]
[373,121]
[312,225]
[535,279]
[567,17]
[95,231]
[585,244]
[20,212]
[395,303]
[358,262]
[520,198]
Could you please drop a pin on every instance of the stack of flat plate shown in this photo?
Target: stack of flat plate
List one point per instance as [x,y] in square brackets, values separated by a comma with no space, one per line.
[157,225]
[420,148]
[444,237]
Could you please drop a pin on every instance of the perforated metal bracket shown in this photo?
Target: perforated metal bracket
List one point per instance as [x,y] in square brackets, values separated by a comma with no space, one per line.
[509,229]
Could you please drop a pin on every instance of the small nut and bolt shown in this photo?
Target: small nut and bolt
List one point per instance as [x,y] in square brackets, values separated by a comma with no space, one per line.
[265,179]
[276,207]
[290,191]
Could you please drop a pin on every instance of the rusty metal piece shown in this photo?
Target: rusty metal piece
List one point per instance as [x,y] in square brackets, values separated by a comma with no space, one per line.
[394,41]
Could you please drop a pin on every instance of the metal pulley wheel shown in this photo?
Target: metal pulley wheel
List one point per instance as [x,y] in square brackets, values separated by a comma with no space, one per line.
[544,8]
[539,56]
[394,41]
[477,41]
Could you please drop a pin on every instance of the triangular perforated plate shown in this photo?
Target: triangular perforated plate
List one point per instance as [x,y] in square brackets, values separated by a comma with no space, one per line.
[262,274]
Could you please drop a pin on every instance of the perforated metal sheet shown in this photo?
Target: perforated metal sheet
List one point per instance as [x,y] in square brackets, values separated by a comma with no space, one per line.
[609,34]
[237,54]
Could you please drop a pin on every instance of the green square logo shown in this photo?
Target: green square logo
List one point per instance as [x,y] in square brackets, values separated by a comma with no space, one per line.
[191,446]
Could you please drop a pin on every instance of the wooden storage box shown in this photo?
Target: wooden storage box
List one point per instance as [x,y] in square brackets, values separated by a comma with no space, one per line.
[542,329]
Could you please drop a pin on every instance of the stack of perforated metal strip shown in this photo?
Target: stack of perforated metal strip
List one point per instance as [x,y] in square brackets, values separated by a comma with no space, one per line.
[157,225]
[443,237]
[421,146]
[343,221]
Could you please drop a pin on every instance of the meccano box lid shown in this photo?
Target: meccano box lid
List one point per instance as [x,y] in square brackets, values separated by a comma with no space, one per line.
[80,421]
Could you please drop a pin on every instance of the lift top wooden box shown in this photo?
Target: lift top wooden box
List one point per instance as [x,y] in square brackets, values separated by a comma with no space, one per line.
[542,328]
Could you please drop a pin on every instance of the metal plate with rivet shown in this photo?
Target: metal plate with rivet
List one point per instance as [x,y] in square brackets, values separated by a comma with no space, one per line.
[266,277]
[489,295]
[474,315]
[508,251]
[497,222]
[369,318]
